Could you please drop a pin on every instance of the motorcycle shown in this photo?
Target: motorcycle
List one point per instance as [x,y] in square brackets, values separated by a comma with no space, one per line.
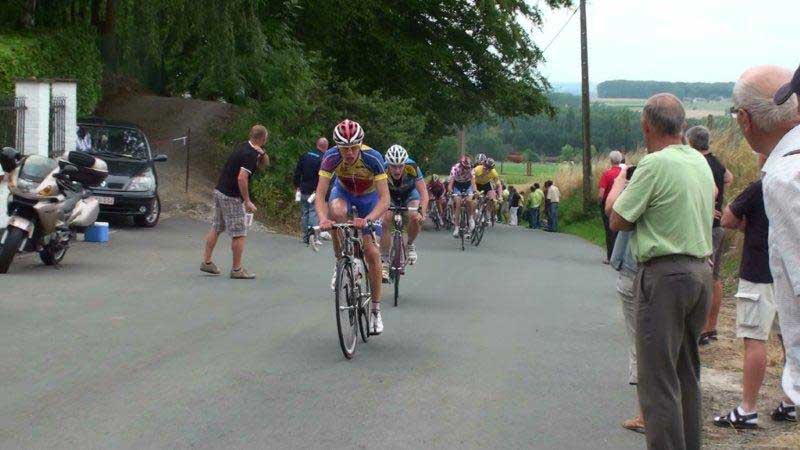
[49,203]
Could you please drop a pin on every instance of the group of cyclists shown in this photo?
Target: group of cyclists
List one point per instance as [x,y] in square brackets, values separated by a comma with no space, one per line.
[365,182]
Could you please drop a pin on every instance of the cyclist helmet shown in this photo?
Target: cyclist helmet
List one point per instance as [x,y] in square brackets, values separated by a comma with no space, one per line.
[480,158]
[465,161]
[396,155]
[348,133]
[489,163]
[435,178]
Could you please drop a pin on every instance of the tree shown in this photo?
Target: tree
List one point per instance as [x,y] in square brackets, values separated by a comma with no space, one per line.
[476,54]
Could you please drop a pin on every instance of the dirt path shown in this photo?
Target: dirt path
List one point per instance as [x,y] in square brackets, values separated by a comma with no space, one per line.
[164,119]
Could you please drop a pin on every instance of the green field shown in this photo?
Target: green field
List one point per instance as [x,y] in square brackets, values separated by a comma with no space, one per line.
[514,173]
[694,110]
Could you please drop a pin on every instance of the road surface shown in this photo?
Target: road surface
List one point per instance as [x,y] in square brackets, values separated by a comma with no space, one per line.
[515,344]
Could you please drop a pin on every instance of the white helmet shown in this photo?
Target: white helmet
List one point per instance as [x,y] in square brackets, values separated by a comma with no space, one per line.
[480,158]
[396,155]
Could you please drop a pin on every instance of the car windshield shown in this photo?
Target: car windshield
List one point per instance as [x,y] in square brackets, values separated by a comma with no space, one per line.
[112,141]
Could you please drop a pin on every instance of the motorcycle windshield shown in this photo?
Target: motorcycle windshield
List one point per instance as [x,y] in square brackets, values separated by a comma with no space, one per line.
[36,168]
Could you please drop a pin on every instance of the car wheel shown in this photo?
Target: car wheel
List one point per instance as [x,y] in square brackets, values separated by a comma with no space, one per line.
[150,219]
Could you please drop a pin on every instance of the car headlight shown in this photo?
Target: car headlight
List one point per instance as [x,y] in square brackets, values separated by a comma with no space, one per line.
[142,182]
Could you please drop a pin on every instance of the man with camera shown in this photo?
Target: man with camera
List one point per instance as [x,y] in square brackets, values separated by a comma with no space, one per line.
[669,205]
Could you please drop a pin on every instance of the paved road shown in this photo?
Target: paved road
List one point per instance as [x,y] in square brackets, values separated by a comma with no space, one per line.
[516,344]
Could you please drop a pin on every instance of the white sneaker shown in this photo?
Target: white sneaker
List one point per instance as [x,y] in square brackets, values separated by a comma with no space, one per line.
[377,320]
[325,236]
[455,232]
[412,254]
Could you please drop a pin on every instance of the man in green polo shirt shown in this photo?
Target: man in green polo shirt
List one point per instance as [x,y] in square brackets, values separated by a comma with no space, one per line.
[669,205]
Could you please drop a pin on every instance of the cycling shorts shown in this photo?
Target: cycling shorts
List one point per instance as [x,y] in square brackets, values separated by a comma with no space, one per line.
[364,203]
[404,200]
[462,188]
[485,188]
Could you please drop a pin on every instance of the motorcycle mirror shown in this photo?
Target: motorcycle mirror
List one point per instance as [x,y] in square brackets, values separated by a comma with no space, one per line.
[160,158]
[9,158]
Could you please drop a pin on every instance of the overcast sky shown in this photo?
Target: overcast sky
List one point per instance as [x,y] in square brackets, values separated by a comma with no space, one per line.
[672,40]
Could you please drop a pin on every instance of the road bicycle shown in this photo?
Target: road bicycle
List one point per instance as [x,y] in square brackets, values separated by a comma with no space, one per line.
[433,213]
[463,223]
[398,257]
[352,291]
[481,221]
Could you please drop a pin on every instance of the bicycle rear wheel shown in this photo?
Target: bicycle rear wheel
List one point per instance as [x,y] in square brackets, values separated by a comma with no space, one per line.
[397,261]
[346,307]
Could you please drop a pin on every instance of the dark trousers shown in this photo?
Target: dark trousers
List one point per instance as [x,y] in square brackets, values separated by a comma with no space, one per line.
[611,236]
[552,217]
[673,294]
[533,218]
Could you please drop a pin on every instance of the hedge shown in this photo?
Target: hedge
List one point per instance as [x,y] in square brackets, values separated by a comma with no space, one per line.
[68,53]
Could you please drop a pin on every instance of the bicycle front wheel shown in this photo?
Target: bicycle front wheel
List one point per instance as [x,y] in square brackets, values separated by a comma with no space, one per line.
[346,307]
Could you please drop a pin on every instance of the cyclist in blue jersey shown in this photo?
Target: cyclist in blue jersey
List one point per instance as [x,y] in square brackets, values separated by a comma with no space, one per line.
[360,182]
[406,188]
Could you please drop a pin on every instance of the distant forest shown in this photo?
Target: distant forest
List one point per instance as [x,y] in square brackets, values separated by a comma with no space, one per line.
[645,89]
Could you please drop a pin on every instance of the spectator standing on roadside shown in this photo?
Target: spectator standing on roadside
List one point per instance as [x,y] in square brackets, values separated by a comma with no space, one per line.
[504,205]
[603,188]
[781,184]
[699,138]
[232,200]
[771,129]
[535,200]
[553,197]
[669,205]
[306,176]
[623,262]
[513,205]
[755,306]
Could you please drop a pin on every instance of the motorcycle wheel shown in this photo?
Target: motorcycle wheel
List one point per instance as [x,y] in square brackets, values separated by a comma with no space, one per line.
[53,253]
[14,238]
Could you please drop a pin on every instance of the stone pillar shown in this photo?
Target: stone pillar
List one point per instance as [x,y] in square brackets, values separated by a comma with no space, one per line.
[69,90]
[37,115]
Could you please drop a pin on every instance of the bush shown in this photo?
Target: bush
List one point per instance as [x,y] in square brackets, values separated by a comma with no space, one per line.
[68,53]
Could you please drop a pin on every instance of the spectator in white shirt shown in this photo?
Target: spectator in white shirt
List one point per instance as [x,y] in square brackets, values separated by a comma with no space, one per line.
[553,198]
[84,142]
[772,130]
[782,202]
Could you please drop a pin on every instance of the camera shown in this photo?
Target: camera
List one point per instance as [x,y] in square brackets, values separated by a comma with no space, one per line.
[630,172]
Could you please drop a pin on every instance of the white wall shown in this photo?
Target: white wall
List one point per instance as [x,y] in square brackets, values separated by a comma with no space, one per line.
[68,90]
[37,115]
[37,127]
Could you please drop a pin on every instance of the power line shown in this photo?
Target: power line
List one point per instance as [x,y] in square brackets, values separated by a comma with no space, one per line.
[562,29]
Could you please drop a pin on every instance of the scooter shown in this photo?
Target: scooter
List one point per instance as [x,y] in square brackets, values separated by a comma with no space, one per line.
[49,203]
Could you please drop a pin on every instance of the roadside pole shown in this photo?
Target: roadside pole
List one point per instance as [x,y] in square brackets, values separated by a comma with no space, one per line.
[587,155]
[188,150]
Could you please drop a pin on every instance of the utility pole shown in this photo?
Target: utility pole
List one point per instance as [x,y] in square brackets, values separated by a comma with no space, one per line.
[462,139]
[587,140]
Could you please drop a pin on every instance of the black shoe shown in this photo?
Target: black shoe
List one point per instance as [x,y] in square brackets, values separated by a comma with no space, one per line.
[784,413]
[707,337]
[735,420]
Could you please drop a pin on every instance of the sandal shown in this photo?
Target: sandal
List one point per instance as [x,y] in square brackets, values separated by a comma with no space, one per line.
[735,419]
[636,424]
[784,413]
[707,337]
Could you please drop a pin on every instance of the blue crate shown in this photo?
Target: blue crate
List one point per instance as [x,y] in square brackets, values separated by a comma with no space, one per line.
[98,232]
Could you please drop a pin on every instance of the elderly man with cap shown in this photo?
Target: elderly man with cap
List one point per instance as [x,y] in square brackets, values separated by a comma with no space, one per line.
[781,184]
